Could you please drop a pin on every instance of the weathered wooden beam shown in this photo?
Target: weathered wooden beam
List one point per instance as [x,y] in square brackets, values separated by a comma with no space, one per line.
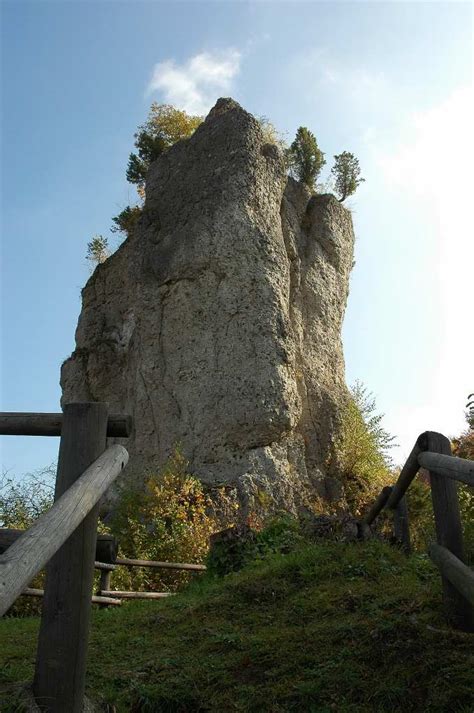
[449,466]
[63,638]
[444,496]
[30,553]
[459,574]
[95,599]
[160,565]
[401,530]
[105,566]
[136,595]
[50,424]
[378,505]
[105,551]
[408,472]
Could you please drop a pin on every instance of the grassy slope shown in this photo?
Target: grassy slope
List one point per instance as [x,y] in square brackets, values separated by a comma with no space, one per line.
[332,627]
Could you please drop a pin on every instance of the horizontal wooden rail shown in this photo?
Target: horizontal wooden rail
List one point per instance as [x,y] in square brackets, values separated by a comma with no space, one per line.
[449,466]
[28,592]
[159,565]
[50,424]
[105,566]
[105,549]
[30,553]
[459,574]
[136,595]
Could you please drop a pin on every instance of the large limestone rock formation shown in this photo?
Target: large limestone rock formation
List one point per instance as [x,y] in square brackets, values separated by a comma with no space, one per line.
[217,324]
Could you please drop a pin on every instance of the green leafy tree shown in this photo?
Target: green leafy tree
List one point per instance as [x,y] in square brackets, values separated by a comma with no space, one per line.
[346,174]
[305,157]
[164,127]
[98,250]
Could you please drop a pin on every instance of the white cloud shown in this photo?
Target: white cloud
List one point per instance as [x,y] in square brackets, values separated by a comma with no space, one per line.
[435,160]
[196,84]
[433,167]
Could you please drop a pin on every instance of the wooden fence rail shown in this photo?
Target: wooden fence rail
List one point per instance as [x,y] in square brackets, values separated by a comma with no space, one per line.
[50,424]
[95,599]
[106,574]
[432,451]
[160,565]
[106,547]
[64,538]
[449,466]
[29,554]
[453,569]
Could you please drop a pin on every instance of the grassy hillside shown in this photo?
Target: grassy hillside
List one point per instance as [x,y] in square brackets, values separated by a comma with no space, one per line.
[330,627]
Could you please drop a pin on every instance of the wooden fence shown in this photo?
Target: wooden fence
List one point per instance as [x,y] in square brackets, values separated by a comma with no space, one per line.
[107,568]
[64,539]
[432,451]
[106,561]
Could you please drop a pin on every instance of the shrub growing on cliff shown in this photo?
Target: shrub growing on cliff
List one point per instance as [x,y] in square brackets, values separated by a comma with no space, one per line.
[363,452]
[305,158]
[126,220]
[98,250]
[346,174]
[271,135]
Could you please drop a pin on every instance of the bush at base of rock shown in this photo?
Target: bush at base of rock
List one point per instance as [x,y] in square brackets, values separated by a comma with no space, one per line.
[233,548]
[166,520]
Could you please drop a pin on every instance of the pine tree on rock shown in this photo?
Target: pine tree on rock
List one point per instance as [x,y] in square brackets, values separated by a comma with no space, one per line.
[346,172]
[306,158]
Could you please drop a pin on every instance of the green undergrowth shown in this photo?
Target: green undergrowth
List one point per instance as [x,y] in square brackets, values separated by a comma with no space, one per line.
[328,627]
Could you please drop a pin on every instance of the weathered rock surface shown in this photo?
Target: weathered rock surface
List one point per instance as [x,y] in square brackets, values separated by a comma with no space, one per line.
[217,324]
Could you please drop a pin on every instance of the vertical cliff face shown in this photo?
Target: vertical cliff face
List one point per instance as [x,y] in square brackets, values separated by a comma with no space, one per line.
[217,324]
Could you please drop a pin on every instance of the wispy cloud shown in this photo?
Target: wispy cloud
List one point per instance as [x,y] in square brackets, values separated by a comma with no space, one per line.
[195,84]
[435,158]
[355,83]
[433,166]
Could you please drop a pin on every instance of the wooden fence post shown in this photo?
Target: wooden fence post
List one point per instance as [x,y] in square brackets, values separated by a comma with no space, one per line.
[449,532]
[401,529]
[105,577]
[62,645]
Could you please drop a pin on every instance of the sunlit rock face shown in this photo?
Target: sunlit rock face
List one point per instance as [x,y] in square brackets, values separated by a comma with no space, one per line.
[217,324]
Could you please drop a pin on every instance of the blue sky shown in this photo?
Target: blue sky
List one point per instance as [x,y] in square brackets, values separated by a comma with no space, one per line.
[391,82]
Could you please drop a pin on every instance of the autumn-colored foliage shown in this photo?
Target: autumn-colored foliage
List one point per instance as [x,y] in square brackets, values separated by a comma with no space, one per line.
[167,519]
